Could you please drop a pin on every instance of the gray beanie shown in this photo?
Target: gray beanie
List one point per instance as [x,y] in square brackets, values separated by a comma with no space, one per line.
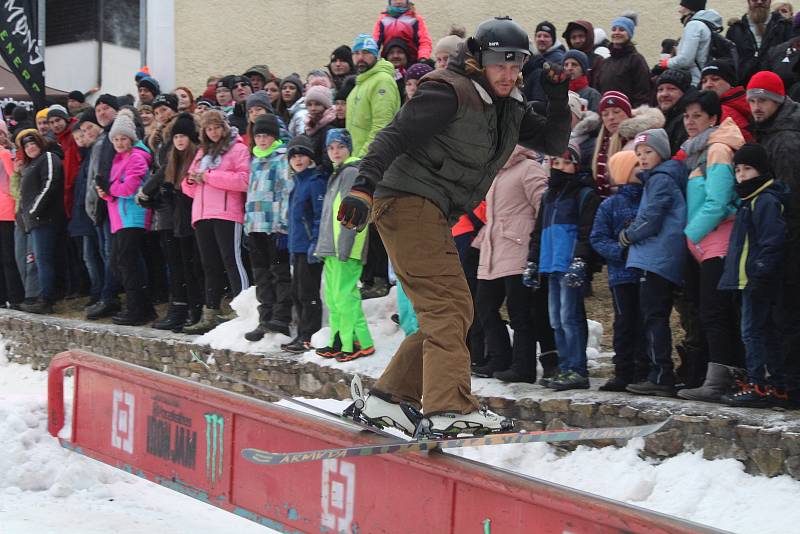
[57,111]
[656,139]
[260,99]
[123,125]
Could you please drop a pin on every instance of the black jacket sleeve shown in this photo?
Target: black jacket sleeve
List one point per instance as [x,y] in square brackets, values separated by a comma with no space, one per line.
[420,118]
[536,236]
[550,134]
[51,180]
[583,246]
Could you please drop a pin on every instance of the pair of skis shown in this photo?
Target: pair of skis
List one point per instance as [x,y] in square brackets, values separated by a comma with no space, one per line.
[262,457]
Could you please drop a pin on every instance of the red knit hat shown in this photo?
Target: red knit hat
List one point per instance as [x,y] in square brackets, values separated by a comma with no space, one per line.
[615,99]
[766,84]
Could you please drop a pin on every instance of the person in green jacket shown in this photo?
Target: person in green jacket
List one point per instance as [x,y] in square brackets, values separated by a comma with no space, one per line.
[375,100]
[344,252]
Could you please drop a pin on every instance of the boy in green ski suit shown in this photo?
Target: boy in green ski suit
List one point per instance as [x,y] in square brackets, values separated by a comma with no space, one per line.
[344,252]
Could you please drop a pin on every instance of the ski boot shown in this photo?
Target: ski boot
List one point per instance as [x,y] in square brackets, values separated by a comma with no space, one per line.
[449,424]
[377,410]
[381,413]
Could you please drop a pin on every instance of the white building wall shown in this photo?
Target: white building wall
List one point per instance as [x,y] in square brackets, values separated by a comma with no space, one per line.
[74,66]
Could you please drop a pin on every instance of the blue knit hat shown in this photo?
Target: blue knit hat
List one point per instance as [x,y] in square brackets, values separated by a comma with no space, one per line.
[339,135]
[578,56]
[365,42]
[626,24]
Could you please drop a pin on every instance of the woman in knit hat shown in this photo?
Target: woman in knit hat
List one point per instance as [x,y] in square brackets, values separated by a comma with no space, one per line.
[446,47]
[614,108]
[320,115]
[626,69]
[413,75]
[184,261]
[41,210]
[129,221]
[291,101]
[621,125]
[217,180]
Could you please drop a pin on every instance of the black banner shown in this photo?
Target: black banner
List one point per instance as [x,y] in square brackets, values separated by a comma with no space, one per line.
[20,46]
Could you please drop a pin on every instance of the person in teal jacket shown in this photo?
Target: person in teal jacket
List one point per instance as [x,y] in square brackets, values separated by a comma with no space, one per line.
[375,100]
[344,252]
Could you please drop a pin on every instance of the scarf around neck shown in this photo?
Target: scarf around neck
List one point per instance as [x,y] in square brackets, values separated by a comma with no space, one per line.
[696,147]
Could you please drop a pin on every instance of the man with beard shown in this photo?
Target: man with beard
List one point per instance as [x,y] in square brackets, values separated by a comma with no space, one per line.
[371,106]
[375,99]
[671,90]
[776,126]
[435,161]
[754,34]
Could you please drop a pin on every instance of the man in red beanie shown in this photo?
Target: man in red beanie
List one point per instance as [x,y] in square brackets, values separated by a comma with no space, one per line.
[777,128]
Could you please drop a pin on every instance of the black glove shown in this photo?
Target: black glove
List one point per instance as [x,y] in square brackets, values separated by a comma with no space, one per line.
[354,209]
[657,70]
[555,81]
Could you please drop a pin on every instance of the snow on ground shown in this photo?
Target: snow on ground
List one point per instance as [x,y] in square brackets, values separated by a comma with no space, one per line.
[81,495]
[46,489]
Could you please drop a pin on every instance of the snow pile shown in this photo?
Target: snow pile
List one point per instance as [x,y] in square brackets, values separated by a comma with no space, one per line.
[386,334]
[45,488]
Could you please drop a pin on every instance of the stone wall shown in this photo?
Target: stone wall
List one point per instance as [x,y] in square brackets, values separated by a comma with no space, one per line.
[767,442]
[218,37]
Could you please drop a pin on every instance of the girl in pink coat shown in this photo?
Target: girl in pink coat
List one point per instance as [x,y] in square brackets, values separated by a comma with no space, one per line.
[512,205]
[217,181]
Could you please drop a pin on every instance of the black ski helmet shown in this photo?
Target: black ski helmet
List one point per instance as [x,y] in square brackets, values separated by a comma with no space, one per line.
[500,34]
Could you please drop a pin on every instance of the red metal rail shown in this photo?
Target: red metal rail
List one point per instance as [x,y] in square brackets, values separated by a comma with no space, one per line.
[188,437]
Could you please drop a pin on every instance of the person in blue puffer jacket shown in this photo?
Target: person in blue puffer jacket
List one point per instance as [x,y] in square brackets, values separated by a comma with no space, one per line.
[615,214]
[305,213]
[560,249]
[658,249]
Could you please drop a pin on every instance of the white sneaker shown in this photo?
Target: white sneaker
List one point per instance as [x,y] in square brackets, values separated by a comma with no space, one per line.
[482,421]
[382,413]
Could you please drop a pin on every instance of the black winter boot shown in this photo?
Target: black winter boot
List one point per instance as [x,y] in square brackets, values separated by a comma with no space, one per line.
[39,307]
[175,318]
[494,365]
[104,308]
[138,310]
[550,370]
[257,334]
[194,314]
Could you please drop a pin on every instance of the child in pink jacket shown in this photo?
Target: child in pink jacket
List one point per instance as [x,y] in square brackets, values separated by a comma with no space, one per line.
[217,181]
[128,221]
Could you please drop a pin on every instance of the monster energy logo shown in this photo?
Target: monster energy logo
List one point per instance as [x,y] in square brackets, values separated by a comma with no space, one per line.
[215,437]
